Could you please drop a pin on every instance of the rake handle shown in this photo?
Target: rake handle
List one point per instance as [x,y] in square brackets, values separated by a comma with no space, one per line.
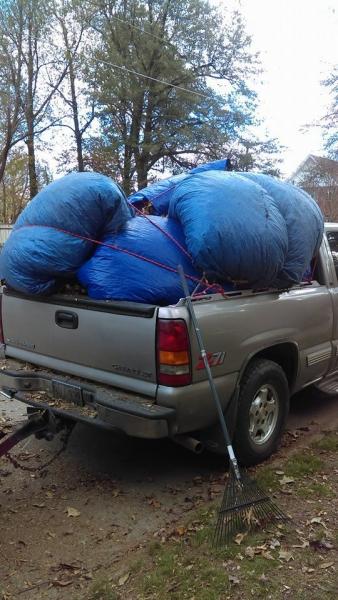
[214,392]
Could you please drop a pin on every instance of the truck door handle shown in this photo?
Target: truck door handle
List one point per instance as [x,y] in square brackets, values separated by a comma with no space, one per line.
[66,319]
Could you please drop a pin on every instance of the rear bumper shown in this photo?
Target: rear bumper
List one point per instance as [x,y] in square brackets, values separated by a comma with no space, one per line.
[71,399]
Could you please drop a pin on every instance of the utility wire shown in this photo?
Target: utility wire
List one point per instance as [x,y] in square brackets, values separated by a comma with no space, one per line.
[178,87]
[157,37]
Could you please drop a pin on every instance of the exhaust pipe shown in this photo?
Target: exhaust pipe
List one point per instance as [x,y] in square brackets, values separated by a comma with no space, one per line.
[190,443]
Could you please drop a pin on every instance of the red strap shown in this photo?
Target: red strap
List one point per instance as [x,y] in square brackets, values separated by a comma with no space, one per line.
[115,247]
[152,261]
[166,233]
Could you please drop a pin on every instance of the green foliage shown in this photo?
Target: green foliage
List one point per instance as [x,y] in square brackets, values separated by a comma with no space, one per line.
[330,120]
[252,154]
[303,464]
[14,187]
[328,442]
[187,44]
[101,589]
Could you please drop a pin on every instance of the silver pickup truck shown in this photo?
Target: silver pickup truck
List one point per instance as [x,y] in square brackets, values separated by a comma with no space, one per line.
[137,368]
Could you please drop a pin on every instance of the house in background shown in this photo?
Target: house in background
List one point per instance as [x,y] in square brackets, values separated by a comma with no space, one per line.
[319,177]
[4,233]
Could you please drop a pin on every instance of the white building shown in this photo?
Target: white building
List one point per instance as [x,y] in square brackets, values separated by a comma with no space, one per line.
[4,233]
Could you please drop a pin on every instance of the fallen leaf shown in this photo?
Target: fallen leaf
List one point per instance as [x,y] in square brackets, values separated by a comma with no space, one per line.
[305,544]
[233,580]
[307,569]
[279,472]
[286,480]
[51,534]
[181,530]
[316,521]
[266,554]
[326,565]
[285,555]
[123,579]
[321,545]
[37,505]
[240,537]
[263,578]
[155,503]
[117,493]
[274,544]
[60,583]
[72,512]
[250,517]
[249,551]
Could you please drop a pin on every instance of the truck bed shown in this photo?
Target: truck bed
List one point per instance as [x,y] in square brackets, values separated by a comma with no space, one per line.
[97,340]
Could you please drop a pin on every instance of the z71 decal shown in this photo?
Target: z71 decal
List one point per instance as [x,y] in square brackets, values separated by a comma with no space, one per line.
[214,359]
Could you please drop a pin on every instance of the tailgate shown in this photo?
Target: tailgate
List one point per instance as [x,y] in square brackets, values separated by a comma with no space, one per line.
[112,342]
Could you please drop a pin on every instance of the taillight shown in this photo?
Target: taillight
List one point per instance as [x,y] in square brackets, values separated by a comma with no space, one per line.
[2,341]
[173,353]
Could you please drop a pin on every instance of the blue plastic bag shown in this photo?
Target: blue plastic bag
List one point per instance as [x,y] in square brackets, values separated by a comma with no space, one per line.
[216,165]
[39,249]
[304,223]
[116,275]
[233,228]
[158,194]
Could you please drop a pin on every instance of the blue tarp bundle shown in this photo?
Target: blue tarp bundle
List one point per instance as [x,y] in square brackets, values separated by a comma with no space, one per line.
[37,252]
[236,227]
[114,274]
[158,194]
[233,228]
[304,223]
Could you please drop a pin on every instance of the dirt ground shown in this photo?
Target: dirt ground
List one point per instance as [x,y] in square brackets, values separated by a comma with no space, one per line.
[75,529]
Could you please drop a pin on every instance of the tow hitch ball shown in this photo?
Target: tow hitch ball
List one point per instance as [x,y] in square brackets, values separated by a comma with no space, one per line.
[43,424]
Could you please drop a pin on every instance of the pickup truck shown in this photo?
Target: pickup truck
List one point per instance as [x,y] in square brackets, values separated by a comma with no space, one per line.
[137,368]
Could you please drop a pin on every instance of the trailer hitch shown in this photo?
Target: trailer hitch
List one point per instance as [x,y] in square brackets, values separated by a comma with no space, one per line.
[42,424]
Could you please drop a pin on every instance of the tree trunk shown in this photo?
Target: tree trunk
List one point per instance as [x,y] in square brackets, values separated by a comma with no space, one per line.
[75,110]
[126,173]
[77,132]
[4,155]
[142,174]
[4,203]
[33,180]
[30,141]
[132,142]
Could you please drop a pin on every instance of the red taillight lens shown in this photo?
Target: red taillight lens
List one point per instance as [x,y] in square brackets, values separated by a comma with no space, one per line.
[173,353]
[2,341]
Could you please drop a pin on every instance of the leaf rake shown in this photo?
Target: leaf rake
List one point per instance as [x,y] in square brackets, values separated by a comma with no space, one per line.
[245,506]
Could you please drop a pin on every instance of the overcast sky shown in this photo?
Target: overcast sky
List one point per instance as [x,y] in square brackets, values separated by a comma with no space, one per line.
[298,42]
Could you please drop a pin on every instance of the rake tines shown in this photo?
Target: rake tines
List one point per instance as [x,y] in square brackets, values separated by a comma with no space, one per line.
[244,507]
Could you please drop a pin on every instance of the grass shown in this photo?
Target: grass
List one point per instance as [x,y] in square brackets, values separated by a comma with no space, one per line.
[267,478]
[327,443]
[315,490]
[302,464]
[101,589]
[187,567]
[193,569]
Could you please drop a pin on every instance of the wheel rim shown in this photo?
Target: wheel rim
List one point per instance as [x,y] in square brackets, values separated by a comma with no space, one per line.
[263,414]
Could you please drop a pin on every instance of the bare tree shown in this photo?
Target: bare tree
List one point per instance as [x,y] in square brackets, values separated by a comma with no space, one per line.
[11,72]
[74,21]
[43,75]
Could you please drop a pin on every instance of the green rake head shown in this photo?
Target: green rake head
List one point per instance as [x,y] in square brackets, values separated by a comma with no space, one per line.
[245,507]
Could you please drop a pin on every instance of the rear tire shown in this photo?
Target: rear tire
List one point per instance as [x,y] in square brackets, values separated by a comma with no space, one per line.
[263,406]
